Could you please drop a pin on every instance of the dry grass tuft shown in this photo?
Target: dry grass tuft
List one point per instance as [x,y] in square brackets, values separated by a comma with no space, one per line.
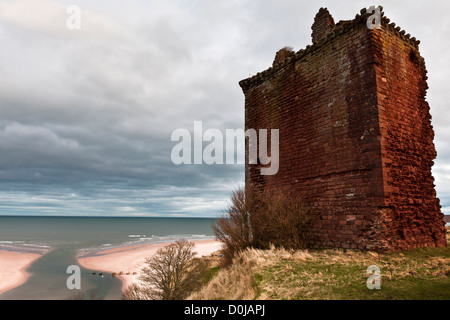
[233,283]
[238,281]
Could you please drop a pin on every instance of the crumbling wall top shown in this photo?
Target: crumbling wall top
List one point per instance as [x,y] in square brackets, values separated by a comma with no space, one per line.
[323,25]
[325,22]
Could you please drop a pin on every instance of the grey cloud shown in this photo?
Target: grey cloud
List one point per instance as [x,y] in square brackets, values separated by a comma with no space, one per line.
[86,119]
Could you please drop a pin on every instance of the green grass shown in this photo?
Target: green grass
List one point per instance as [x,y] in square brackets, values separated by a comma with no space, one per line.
[341,275]
[211,272]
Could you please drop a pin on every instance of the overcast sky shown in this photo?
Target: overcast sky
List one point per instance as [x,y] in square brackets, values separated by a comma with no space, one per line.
[86,115]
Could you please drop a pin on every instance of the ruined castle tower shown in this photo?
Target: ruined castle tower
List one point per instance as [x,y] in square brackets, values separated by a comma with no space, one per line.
[356,140]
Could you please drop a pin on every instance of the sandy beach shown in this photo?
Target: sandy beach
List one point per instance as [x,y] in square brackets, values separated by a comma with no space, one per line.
[131,259]
[12,268]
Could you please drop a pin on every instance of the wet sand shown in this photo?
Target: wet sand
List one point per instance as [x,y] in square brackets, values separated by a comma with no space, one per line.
[131,259]
[13,265]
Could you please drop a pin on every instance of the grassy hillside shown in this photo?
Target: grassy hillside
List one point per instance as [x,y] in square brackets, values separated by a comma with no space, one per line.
[331,274]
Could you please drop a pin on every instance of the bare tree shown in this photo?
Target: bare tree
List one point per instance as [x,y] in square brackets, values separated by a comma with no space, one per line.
[171,274]
[260,219]
[137,292]
[234,229]
[280,218]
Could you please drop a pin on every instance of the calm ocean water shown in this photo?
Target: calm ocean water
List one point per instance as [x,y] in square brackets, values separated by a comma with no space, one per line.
[67,237]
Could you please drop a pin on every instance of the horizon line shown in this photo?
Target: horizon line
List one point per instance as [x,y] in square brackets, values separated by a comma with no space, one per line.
[75,216]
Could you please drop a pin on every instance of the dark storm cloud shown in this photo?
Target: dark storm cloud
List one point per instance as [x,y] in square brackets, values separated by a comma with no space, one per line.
[86,115]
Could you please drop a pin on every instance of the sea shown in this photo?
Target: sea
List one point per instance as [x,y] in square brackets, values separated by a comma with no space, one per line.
[63,239]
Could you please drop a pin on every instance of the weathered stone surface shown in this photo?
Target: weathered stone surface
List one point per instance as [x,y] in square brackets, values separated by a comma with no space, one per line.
[323,25]
[356,141]
[282,55]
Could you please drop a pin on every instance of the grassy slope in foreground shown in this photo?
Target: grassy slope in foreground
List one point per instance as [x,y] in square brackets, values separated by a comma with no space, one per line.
[332,274]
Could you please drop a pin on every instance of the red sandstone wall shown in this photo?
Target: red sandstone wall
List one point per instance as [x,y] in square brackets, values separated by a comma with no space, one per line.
[412,217]
[356,142]
[326,109]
